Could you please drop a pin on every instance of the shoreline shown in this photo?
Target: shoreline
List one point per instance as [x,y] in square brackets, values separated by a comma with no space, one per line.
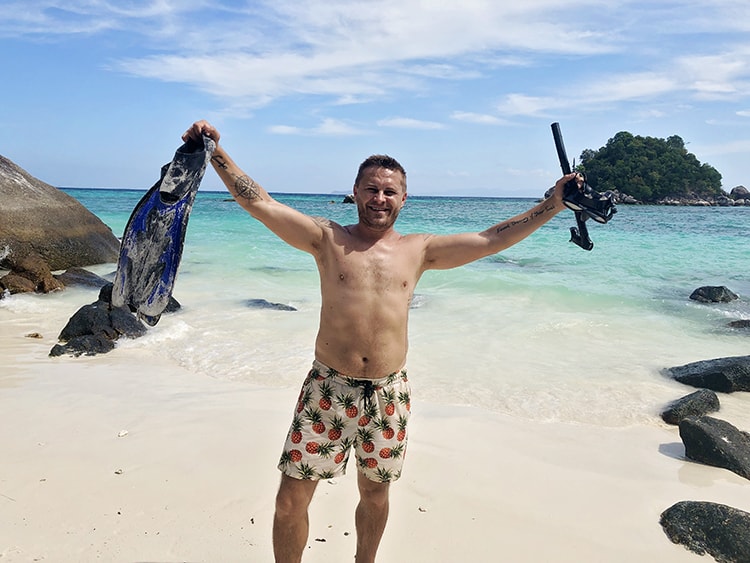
[127,457]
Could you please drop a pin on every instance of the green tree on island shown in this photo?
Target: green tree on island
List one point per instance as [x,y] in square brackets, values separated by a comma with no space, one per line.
[649,169]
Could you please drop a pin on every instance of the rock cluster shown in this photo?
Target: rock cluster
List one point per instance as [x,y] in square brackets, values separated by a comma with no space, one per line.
[739,196]
[703,527]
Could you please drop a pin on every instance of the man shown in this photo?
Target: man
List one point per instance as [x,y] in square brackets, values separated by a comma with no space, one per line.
[356,394]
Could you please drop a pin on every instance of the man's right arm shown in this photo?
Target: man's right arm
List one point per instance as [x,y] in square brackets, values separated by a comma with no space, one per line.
[297,229]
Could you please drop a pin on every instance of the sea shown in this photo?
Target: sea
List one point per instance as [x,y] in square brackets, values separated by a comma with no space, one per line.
[544,330]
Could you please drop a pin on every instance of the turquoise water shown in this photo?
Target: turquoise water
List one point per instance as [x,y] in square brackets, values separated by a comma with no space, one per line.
[544,330]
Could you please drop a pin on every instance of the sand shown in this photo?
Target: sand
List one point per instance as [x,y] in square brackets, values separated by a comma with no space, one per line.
[123,457]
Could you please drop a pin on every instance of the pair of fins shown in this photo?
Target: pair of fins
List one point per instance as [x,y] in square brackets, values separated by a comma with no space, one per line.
[151,246]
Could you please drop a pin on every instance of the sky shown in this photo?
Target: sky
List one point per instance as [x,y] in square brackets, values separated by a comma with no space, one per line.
[97,93]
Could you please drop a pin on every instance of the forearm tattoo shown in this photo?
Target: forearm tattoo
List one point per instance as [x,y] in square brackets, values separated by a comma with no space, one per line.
[530,217]
[244,186]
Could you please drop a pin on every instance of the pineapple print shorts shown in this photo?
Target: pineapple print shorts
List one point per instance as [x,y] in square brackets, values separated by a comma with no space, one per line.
[336,414]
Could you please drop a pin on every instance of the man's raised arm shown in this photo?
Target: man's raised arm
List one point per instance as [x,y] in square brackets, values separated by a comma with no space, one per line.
[295,228]
[451,251]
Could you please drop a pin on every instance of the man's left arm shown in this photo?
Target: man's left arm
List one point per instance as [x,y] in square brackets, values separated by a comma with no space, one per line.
[450,251]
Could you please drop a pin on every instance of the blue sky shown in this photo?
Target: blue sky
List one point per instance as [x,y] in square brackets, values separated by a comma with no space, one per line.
[97,93]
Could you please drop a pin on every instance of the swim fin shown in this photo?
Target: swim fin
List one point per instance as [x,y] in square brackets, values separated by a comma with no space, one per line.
[151,246]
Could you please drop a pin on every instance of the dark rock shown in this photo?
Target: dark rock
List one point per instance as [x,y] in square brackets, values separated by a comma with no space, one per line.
[742,323]
[706,527]
[263,304]
[80,276]
[88,345]
[125,323]
[716,442]
[101,318]
[348,199]
[699,403]
[713,294]
[89,320]
[37,217]
[94,328]
[105,293]
[725,375]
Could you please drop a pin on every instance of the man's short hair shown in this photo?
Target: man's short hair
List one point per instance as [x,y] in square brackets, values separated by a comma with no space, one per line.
[380,161]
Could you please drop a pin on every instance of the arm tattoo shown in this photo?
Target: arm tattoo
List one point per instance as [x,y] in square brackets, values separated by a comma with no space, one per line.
[219,161]
[244,185]
[533,215]
[322,221]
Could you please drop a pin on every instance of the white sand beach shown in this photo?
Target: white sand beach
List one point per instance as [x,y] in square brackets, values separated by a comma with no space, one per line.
[122,457]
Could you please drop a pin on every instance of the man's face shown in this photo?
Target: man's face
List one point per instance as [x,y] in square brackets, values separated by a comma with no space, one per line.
[380,195]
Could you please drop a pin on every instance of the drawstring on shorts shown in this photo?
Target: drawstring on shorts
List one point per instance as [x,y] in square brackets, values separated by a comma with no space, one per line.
[368,390]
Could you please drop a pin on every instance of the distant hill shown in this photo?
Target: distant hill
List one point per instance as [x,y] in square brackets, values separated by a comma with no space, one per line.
[650,169]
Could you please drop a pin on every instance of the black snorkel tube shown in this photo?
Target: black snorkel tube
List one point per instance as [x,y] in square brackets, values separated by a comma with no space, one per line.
[583,201]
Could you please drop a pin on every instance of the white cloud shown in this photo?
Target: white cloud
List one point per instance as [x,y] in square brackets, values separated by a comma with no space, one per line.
[356,51]
[409,123]
[521,104]
[479,118]
[285,130]
[328,127]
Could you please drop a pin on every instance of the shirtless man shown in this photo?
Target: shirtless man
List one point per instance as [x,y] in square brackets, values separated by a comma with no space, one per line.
[368,273]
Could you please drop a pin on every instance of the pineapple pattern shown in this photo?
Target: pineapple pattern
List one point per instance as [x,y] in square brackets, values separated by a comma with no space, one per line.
[336,415]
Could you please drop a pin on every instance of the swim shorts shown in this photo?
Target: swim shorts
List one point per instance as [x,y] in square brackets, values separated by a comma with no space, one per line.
[336,413]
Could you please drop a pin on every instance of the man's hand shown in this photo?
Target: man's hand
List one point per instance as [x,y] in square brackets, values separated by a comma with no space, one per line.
[199,128]
[560,185]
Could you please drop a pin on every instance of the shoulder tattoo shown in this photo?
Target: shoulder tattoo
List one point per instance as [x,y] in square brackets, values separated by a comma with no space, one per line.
[322,221]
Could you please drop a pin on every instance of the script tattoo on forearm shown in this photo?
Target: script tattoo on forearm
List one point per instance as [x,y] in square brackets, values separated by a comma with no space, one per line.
[533,215]
[244,186]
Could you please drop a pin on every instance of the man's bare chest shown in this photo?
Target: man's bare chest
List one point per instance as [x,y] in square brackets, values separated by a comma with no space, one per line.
[372,269]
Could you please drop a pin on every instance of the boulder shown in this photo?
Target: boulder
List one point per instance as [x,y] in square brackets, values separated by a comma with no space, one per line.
[725,375]
[706,527]
[29,272]
[699,403]
[713,294]
[14,283]
[739,192]
[740,323]
[716,442]
[102,319]
[38,218]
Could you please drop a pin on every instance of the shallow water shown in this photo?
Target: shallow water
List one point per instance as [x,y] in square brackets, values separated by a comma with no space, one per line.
[544,330]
